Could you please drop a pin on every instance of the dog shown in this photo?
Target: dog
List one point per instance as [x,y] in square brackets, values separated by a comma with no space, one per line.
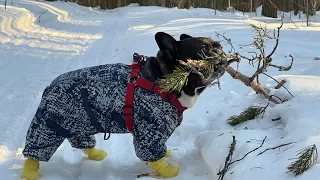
[81,103]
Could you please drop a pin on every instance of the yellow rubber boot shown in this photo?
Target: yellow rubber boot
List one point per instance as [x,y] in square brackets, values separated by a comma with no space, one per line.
[95,154]
[30,170]
[168,154]
[164,169]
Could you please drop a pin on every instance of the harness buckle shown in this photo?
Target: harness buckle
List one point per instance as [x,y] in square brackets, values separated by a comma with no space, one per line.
[132,79]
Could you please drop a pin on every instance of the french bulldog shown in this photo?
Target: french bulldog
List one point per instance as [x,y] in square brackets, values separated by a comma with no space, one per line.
[81,103]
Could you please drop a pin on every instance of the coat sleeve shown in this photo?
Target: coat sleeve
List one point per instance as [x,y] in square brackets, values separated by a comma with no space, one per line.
[150,139]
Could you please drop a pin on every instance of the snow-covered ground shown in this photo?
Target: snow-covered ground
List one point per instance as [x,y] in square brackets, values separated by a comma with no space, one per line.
[40,40]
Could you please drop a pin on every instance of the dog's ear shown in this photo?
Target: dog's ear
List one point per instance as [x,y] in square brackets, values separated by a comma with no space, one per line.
[184,36]
[167,43]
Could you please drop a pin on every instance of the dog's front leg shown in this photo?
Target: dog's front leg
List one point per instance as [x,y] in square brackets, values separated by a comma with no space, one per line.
[149,143]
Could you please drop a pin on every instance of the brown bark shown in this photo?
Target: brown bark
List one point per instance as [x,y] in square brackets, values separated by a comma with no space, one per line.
[281,84]
[103,4]
[268,9]
[254,85]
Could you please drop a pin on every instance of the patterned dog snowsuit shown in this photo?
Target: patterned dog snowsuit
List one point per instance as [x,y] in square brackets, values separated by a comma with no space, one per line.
[84,102]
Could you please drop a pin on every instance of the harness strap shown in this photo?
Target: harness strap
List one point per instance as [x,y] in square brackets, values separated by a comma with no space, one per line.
[134,81]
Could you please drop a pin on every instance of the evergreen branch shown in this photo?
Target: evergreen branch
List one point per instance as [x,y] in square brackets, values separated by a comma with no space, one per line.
[308,157]
[228,159]
[175,80]
[248,114]
[275,147]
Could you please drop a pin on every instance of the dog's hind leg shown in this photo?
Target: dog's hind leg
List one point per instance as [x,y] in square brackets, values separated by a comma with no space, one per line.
[41,143]
[87,144]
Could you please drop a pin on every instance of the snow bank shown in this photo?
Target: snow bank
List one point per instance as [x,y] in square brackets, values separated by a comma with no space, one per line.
[299,123]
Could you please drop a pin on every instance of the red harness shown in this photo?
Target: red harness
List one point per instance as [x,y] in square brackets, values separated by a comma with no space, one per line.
[134,81]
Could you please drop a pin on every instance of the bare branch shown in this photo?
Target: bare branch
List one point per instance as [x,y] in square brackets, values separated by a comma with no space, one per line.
[228,41]
[248,82]
[276,119]
[277,41]
[275,147]
[42,14]
[250,151]
[283,68]
[262,69]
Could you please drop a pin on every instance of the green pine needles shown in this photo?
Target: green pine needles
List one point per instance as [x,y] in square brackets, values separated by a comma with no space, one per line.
[174,81]
[308,157]
[248,114]
[179,77]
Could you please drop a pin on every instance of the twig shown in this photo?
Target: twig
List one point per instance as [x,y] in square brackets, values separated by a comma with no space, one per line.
[283,68]
[277,97]
[236,59]
[228,41]
[264,110]
[276,119]
[262,69]
[42,14]
[148,175]
[275,147]
[228,159]
[279,83]
[250,151]
[277,41]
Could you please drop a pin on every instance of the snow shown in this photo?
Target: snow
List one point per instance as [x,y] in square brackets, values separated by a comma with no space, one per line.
[67,36]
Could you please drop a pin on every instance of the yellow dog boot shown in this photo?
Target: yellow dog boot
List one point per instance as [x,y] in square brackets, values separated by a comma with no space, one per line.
[30,170]
[168,154]
[95,154]
[164,169]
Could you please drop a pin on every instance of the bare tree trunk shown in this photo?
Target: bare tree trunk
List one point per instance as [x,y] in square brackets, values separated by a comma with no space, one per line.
[215,7]
[103,5]
[307,12]
[251,8]
[268,9]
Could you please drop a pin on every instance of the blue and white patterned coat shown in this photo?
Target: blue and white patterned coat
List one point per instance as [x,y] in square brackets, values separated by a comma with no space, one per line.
[81,103]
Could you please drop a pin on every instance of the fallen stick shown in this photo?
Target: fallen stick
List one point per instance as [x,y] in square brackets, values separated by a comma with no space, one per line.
[275,147]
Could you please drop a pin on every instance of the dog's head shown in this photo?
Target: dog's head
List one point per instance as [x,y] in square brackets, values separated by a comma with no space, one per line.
[195,48]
